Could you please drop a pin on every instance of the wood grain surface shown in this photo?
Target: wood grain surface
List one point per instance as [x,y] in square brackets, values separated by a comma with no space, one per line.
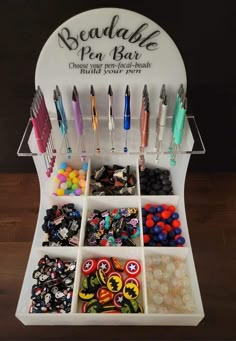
[211,211]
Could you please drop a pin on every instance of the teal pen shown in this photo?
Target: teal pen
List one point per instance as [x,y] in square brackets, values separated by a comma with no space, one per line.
[178,130]
[178,103]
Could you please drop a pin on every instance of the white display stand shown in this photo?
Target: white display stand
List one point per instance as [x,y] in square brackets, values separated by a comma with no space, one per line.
[65,61]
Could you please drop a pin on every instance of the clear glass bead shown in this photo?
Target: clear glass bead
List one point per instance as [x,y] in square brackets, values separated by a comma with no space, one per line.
[170,267]
[157,274]
[165,259]
[157,299]
[163,288]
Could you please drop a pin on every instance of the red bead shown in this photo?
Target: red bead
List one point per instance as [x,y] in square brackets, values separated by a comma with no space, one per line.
[146,238]
[147,207]
[166,214]
[172,208]
[167,227]
[150,216]
[165,207]
[160,223]
[177,236]
[149,223]
[176,223]
[103,242]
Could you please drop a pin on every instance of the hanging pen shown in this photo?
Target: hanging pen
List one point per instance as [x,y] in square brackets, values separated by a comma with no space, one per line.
[79,127]
[94,115]
[127,115]
[178,130]
[111,123]
[161,120]
[144,126]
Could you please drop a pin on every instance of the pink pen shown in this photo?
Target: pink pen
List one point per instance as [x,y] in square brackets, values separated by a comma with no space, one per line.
[37,133]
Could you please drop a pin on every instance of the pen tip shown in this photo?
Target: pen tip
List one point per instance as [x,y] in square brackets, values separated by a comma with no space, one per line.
[92,92]
[74,93]
[110,92]
[145,90]
[185,103]
[127,91]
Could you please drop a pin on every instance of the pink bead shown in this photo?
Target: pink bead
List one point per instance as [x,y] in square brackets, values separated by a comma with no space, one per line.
[78,191]
[62,178]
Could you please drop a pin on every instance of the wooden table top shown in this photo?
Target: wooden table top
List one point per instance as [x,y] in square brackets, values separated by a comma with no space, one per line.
[211,210]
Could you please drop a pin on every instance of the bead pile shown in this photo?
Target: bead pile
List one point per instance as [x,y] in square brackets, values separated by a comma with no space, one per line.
[161,226]
[117,227]
[54,289]
[155,182]
[110,287]
[168,285]
[61,226]
[116,180]
[71,181]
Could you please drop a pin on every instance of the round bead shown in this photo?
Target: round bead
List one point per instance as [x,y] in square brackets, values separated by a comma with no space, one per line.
[78,191]
[157,298]
[63,165]
[149,223]
[75,180]
[82,183]
[157,274]
[72,175]
[85,166]
[163,288]
[156,260]
[74,187]
[63,185]
[172,209]
[170,267]
[69,184]
[175,215]
[165,259]
[60,191]
[176,223]
[146,238]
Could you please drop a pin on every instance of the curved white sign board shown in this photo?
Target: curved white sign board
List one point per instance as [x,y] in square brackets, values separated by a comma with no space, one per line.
[109,46]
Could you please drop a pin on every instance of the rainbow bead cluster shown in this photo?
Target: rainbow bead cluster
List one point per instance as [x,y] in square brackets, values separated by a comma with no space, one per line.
[70,181]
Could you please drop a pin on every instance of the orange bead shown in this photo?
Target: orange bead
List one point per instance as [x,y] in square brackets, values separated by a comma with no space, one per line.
[68,169]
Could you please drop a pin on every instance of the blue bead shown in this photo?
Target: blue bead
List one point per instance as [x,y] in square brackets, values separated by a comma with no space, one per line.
[160,209]
[155,238]
[144,212]
[169,220]
[144,221]
[156,218]
[172,242]
[152,209]
[156,229]
[152,243]
[85,166]
[177,230]
[145,230]
[171,235]
[175,215]
[180,240]
[63,165]
[162,236]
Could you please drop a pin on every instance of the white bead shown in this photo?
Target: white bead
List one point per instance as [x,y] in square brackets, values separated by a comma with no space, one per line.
[166,276]
[152,309]
[167,299]
[165,259]
[162,310]
[63,186]
[170,267]
[163,288]
[154,285]
[157,298]
[156,260]
[176,283]
[179,273]
[157,274]
[186,282]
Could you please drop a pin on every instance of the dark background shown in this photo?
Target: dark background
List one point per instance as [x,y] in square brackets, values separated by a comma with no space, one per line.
[204,32]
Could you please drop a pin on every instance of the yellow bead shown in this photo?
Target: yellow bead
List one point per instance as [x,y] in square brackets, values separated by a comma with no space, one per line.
[60,191]
[75,180]
[72,175]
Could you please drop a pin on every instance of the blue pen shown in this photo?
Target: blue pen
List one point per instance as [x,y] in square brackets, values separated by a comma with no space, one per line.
[127,117]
